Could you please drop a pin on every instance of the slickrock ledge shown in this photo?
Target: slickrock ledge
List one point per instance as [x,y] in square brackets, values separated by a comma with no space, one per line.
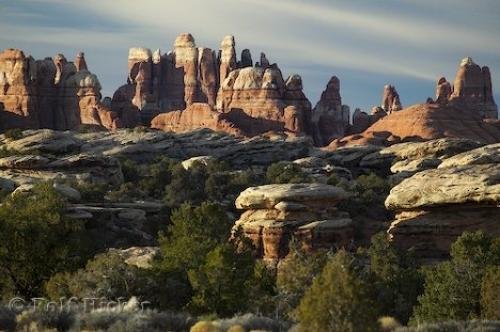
[435,206]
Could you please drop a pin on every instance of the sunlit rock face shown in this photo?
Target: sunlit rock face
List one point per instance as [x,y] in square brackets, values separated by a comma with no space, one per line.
[435,206]
[276,214]
[247,100]
[50,93]
[473,88]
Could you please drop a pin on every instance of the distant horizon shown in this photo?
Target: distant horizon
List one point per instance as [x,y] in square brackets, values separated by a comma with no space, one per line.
[318,39]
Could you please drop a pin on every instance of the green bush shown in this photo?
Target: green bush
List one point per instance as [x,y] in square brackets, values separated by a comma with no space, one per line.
[453,288]
[7,319]
[41,319]
[253,322]
[14,134]
[157,176]
[219,284]
[490,293]
[454,326]
[395,277]
[132,321]
[339,299]
[37,240]
[286,172]
[187,186]
[105,276]
[226,186]
[92,192]
[194,231]
[368,194]
[295,275]
[130,170]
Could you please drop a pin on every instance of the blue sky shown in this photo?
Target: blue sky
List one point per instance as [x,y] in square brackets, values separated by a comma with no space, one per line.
[366,43]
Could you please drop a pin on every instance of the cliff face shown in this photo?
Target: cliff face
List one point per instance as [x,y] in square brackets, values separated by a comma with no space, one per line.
[50,93]
[240,98]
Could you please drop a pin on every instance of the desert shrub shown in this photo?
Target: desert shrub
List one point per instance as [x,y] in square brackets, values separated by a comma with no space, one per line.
[454,326]
[490,293]
[148,320]
[226,186]
[453,288]
[339,299]
[251,322]
[367,196]
[395,277]
[37,240]
[5,152]
[157,176]
[219,284]
[105,276]
[14,134]
[205,326]
[295,275]
[186,185]
[127,192]
[92,192]
[130,170]
[41,319]
[194,231]
[286,172]
[102,320]
[236,328]
[7,319]
[388,323]
[262,289]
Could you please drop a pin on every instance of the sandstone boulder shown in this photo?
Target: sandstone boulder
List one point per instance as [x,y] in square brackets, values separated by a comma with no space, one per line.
[204,160]
[275,214]
[140,257]
[268,196]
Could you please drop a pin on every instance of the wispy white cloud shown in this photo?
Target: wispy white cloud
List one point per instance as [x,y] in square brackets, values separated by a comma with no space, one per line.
[333,34]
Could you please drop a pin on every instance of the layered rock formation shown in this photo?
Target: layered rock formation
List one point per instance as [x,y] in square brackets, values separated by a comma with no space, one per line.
[259,100]
[254,100]
[276,214]
[435,206]
[195,116]
[50,93]
[330,120]
[425,122]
